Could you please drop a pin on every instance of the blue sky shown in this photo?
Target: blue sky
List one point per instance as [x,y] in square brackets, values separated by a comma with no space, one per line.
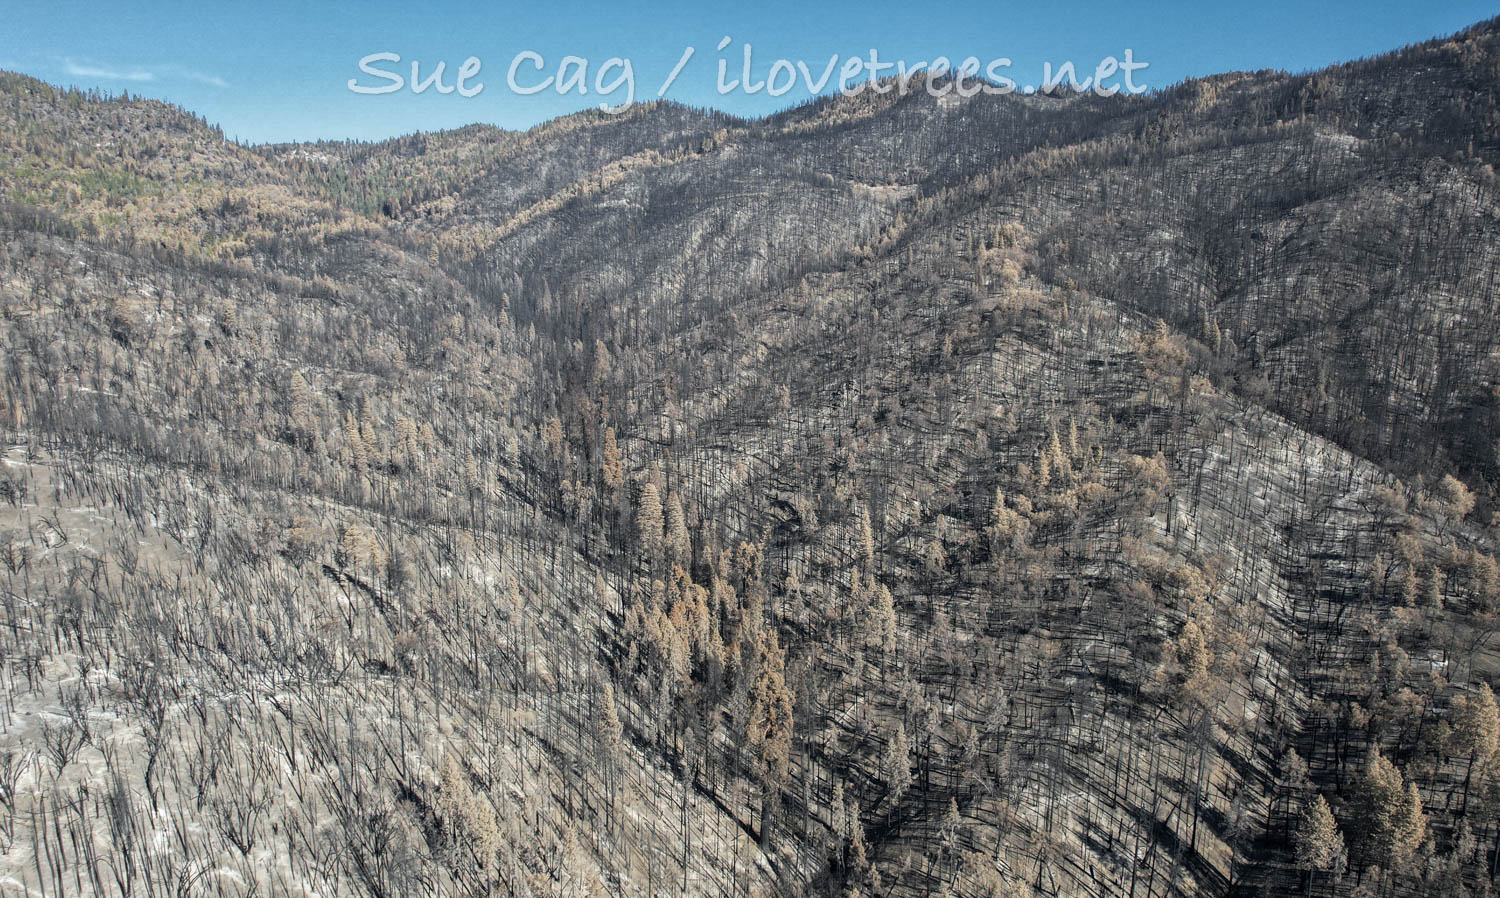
[280,71]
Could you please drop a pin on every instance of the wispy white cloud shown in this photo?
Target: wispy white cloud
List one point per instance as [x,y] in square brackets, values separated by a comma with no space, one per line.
[84,69]
[200,77]
[89,70]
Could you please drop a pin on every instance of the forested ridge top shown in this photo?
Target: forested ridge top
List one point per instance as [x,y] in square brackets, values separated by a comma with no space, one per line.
[1017,496]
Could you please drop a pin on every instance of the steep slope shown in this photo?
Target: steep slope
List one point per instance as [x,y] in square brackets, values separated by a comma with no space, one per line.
[1006,497]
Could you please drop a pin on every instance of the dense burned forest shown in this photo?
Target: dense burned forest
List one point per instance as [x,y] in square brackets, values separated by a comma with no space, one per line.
[1003,496]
